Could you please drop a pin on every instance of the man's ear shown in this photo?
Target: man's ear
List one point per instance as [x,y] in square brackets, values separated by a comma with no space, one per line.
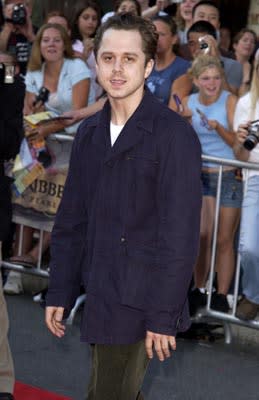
[149,67]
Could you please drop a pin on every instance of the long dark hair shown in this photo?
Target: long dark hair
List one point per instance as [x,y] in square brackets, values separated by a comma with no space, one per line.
[80,7]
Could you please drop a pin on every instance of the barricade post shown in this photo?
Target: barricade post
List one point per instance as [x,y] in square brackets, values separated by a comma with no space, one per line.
[205,313]
[208,312]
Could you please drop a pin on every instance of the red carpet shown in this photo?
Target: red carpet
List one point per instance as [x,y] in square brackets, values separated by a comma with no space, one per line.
[26,392]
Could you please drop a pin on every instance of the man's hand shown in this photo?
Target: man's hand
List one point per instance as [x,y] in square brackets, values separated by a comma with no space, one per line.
[213,46]
[161,343]
[53,319]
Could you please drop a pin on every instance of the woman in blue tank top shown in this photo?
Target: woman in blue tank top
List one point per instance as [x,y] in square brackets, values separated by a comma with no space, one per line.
[211,111]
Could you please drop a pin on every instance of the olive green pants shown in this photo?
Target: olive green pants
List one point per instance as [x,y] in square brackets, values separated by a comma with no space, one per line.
[117,372]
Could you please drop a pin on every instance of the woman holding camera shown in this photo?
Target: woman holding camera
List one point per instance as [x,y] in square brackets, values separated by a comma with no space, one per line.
[247,138]
[211,111]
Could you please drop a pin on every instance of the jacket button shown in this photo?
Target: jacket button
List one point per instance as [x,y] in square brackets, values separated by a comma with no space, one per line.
[123,239]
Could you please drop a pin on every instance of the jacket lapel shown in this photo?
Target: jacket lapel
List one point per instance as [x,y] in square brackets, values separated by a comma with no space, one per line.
[139,124]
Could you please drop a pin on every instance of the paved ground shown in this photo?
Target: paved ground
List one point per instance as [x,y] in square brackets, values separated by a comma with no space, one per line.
[197,371]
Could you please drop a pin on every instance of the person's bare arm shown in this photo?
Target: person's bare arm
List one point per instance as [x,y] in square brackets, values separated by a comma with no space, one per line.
[85,112]
[152,11]
[227,135]
[4,36]
[80,93]
[245,85]
[231,106]
[182,87]
[240,151]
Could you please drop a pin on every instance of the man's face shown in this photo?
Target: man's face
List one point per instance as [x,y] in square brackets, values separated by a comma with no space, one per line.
[121,68]
[194,44]
[207,13]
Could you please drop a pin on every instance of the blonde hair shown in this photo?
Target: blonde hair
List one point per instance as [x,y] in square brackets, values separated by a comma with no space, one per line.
[254,89]
[203,62]
[36,60]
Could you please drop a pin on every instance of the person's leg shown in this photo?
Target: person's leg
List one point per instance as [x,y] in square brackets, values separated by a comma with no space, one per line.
[6,363]
[26,242]
[35,251]
[225,258]
[249,241]
[207,222]
[13,284]
[117,372]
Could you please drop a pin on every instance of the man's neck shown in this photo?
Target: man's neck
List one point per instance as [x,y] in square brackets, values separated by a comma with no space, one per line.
[122,109]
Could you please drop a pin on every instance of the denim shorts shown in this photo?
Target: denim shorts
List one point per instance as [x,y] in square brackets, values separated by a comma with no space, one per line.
[231,189]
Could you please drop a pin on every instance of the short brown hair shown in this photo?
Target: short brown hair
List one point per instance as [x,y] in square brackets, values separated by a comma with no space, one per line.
[36,59]
[129,22]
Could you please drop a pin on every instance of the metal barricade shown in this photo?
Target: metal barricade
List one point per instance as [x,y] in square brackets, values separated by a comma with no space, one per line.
[42,224]
[208,313]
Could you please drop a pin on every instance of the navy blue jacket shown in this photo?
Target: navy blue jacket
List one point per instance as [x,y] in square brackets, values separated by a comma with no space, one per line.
[128,224]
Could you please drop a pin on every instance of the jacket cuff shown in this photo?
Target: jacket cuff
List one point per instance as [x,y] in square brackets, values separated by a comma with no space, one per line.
[168,323]
[59,299]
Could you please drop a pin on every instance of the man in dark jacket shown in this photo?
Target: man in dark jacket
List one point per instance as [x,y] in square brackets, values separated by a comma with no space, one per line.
[11,100]
[128,223]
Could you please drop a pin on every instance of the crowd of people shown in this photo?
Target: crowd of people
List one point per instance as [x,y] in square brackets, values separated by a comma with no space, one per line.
[207,75]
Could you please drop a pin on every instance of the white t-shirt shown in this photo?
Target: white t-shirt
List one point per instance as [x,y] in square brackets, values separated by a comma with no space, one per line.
[244,113]
[115,130]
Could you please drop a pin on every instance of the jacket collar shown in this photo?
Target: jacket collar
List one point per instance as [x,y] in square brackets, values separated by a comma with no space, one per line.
[140,123]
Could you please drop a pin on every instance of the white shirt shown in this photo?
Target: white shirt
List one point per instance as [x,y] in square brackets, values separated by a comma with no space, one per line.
[244,113]
[115,130]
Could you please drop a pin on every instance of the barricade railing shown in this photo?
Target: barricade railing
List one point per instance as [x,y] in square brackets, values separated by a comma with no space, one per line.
[42,224]
[207,312]
[204,313]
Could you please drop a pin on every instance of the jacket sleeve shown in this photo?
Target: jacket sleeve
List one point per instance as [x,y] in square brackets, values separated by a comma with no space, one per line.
[179,205]
[11,118]
[68,238]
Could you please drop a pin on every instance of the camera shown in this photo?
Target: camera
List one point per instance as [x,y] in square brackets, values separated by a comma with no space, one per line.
[7,72]
[19,15]
[253,137]
[42,96]
[203,45]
